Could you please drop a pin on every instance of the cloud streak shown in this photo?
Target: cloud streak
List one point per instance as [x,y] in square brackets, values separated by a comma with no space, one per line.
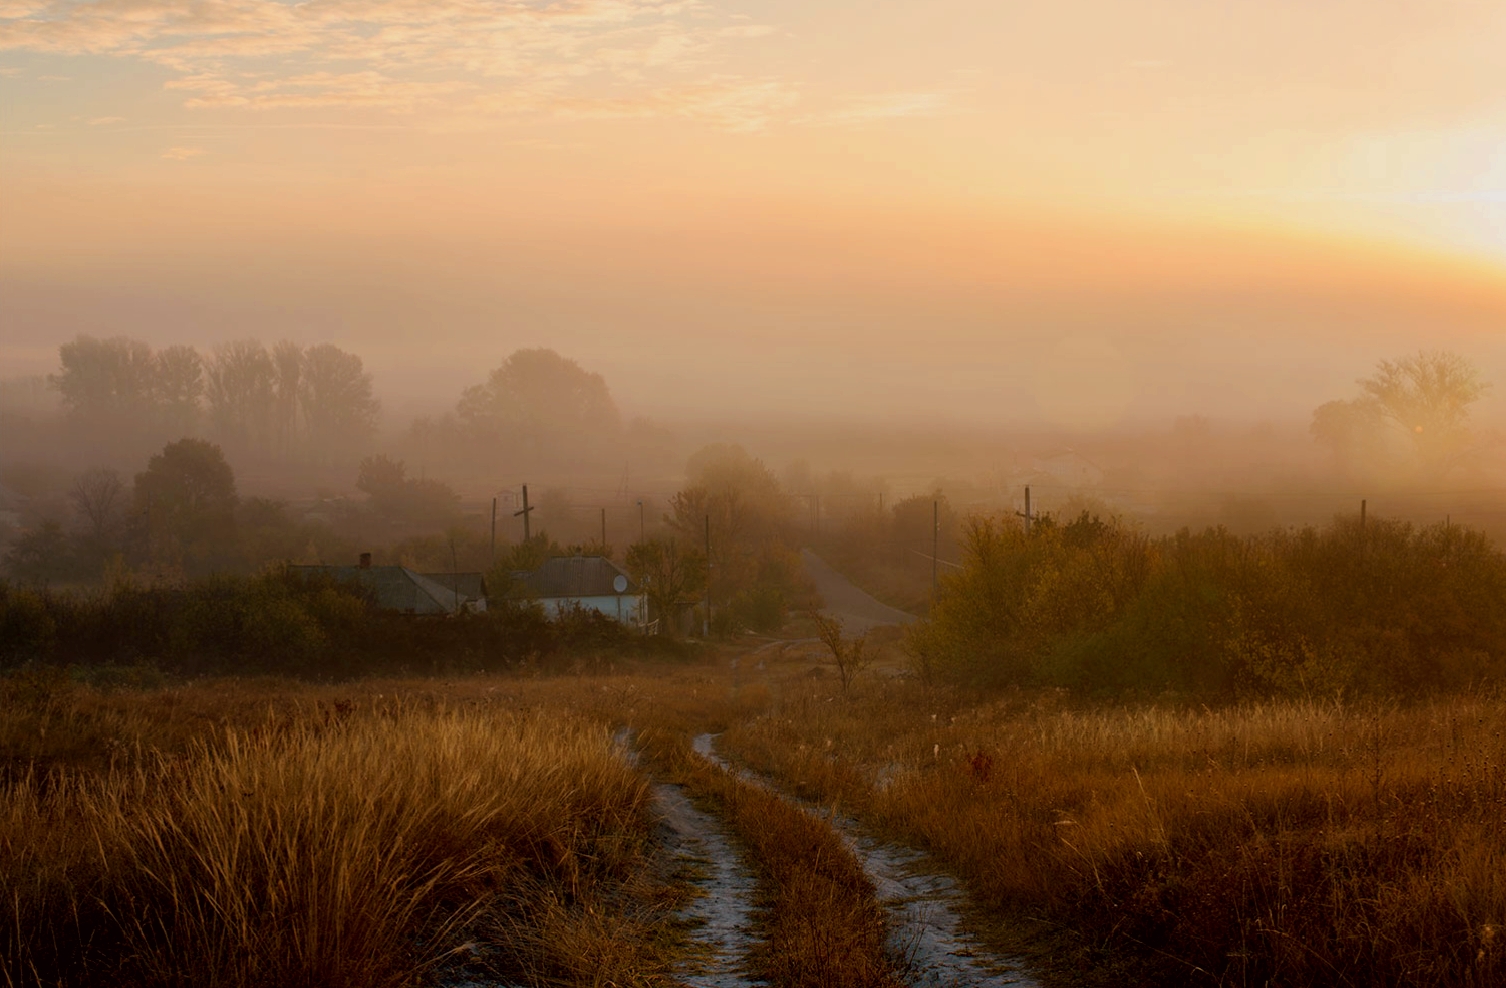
[569,59]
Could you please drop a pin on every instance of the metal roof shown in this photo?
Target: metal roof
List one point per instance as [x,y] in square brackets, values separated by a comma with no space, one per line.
[575,576]
[396,588]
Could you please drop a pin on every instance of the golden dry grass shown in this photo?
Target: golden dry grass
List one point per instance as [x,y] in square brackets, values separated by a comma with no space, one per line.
[355,844]
[1289,843]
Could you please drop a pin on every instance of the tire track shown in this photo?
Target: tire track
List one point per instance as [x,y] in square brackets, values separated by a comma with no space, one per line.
[722,915]
[929,943]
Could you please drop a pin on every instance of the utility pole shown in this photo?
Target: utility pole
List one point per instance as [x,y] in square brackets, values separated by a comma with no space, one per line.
[881,504]
[706,626]
[603,529]
[640,521]
[524,511]
[494,531]
[1026,513]
[935,540]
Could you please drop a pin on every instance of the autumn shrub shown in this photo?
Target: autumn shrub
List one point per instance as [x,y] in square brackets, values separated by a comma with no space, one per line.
[1380,608]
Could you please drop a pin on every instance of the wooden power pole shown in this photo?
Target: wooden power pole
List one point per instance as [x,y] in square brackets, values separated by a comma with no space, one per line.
[1026,513]
[524,511]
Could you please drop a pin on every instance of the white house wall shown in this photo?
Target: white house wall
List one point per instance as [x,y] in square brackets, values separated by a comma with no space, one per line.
[626,608]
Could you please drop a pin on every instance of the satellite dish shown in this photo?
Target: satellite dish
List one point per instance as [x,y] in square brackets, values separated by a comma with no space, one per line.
[619,583]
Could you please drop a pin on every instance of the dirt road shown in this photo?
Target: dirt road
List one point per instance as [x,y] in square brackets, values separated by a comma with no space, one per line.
[857,611]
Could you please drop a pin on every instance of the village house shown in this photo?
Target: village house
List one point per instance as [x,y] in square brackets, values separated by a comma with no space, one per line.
[398,588]
[593,583]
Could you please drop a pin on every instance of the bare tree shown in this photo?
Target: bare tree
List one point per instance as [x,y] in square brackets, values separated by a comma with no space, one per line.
[851,655]
[670,573]
[99,497]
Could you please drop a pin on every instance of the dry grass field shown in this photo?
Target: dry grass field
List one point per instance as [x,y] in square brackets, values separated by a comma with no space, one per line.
[270,833]
[266,834]
[1290,843]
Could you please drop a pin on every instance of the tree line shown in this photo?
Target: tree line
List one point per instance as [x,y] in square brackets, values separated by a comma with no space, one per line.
[286,401]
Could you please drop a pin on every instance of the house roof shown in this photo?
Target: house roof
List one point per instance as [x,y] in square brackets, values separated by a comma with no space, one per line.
[575,576]
[396,588]
[470,586]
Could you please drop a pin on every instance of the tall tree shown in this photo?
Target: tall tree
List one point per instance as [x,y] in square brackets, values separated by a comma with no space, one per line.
[1427,397]
[178,387]
[241,393]
[338,404]
[1416,407]
[536,396]
[287,366]
[105,380]
[186,496]
[671,574]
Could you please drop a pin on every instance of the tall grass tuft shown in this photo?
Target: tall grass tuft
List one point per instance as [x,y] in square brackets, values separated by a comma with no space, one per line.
[357,850]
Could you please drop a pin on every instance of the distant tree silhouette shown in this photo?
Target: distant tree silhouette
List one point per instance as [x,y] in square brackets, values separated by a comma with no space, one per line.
[335,391]
[105,380]
[241,393]
[1420,403]
[538,396]
[178,388]
[186,500]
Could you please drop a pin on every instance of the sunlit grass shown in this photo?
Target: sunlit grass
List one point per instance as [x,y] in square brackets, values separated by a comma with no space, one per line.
[357,848]
[1292,843]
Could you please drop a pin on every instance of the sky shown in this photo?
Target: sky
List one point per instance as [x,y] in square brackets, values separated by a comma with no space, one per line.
[1080,213]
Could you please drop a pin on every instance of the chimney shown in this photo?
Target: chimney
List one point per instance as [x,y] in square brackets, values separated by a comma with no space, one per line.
[366,560]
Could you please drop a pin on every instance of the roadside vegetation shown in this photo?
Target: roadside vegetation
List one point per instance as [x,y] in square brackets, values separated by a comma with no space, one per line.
[1374,607]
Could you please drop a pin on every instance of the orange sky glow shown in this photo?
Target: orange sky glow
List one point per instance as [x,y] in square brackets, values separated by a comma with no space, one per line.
[1079,212]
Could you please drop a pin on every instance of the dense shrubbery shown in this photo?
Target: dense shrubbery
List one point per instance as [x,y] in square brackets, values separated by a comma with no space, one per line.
[280,622]
[1381,608]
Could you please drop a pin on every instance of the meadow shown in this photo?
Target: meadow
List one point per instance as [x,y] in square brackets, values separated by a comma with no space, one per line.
[387,831]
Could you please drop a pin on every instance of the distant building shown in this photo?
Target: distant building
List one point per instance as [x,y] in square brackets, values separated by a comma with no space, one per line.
[1068,468]
[398,588]
[594,583]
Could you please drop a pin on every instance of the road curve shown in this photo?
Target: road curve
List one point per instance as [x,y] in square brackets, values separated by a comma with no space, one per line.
[857,610]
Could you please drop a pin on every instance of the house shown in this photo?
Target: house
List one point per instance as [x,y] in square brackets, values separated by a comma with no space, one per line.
[398,588]
[470,586]
[1067,467]
[594,583]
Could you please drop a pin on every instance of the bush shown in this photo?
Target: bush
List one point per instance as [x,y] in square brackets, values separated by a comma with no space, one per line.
[1385,608]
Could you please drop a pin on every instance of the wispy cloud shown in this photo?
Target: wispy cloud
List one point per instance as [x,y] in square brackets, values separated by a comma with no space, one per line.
[103,121]
[387,54]
[859,110]
[182,154]
[472,62]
